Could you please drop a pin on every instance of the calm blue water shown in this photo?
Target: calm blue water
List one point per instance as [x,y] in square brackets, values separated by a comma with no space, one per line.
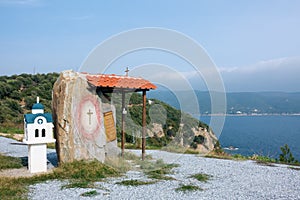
[262,135]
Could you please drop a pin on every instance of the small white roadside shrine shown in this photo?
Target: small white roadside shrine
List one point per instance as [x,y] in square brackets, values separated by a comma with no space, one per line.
[38,131]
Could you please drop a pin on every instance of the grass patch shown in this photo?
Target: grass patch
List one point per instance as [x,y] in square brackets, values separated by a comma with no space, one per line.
[188,188]
[80,173]
[130,156]
[5,129]
[239,157]
[263,159]
[134,182]
[216,156]
[118,163]
[148,157]
[158,169]
[159,176]
[135,146]
[201,177]
[178,149]
[51,145]
[84,170]
[11,188]
[8,162]
[78,184]
[128,146]
[91,193]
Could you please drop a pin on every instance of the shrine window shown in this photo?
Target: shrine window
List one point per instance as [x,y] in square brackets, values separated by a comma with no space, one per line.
[36,132]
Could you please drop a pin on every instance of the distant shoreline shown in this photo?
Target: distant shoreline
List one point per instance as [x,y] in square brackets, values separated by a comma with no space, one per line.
[248,115]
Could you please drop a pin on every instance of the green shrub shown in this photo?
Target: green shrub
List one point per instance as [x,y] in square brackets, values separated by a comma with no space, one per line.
[286,156]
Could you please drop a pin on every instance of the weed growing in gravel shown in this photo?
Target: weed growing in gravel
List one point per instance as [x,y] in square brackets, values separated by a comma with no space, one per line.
[91,193]
[134,182]
[188,188]
[130,156]
[201,177]
[118,163]
[158,169]
[7,162]
[78,184]
[177,149]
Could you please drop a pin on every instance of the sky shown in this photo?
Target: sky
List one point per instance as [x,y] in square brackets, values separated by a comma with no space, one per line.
[254,44]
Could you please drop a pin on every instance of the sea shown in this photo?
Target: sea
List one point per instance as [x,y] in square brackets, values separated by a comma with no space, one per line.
[260,135]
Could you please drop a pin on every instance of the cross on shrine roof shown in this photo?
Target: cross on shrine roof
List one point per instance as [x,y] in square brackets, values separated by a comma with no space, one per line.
[117,81]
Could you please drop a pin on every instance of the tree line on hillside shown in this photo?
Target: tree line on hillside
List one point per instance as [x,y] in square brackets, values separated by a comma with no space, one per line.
[18,93]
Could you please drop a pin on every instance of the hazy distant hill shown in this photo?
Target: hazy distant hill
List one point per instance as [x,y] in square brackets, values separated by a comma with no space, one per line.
[237,103]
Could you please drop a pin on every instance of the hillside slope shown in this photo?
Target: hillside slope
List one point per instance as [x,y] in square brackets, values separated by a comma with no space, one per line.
[19,92]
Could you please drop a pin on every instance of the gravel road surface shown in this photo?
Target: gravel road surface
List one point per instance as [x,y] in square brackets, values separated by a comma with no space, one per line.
[229,180]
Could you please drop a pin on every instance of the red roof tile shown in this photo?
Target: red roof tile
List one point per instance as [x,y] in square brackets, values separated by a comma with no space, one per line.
[116,81]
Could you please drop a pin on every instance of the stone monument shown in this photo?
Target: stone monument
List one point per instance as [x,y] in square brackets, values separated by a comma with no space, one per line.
[82,116]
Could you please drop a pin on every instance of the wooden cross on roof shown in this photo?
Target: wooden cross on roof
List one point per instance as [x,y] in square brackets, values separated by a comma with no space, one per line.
[127,70]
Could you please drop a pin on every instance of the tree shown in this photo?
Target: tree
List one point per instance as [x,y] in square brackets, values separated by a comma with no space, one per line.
[286,156]
[29,102]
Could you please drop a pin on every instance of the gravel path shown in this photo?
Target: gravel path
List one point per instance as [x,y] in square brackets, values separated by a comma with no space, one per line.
[230,180]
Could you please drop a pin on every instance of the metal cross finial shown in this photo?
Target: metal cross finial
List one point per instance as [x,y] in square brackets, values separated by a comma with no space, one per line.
[127,70]
[89,113]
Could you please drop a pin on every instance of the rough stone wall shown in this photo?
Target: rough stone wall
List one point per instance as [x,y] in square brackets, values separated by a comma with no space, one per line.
[78,120]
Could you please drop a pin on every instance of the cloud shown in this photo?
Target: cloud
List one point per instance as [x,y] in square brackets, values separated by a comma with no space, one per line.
[281,74]
[265,65]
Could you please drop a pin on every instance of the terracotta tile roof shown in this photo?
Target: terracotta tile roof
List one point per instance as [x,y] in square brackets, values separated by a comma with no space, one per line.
[116,81]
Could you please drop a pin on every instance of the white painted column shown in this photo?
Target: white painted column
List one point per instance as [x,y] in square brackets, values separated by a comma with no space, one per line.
[37,158]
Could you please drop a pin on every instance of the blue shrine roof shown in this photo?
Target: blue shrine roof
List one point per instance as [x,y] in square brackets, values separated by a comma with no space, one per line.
[29,118]
[38,106]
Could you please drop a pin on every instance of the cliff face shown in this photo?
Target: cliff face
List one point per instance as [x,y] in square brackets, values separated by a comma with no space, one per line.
[198,138]
[209,142]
